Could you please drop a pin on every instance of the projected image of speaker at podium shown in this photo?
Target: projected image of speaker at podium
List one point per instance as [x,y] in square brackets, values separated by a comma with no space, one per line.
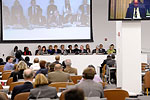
[18,19]
[6,16]
[136,10]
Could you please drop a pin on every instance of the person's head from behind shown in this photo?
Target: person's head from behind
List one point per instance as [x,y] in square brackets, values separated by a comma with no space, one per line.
[74,94]
[27,59]
[36,60]
[9,59]
[58,67]
[112,56]
[88,73]
[52,65]
[91,66]
[18,54]
[40,80]
[68,62]
[42,64]
[22,65]
[28,74]
[57,58]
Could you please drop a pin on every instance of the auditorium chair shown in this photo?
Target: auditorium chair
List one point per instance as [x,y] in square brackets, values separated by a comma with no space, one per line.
[76,79]
[143,65]
[9,81]
[6,75]
[13,84]
[6,71]
[104,73]
[4,94]
[1,68]
[115,94]
[22,96]
[147,81]
[60,85]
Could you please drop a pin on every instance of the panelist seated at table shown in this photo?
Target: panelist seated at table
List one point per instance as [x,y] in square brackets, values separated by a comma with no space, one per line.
[82,50]
[56,50]
[44,51]
[88,50]
[70,50]
[96,50]
[38,51]
[136,10]
[76,50]
[50,50]
[63,50]
[26,51]
[101,49]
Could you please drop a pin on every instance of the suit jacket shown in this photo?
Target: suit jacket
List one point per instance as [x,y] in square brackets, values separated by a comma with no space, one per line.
[84,51]
[58,51]
[59,76]
[102,51]
[21,88]
[71,70]
[130,10]
[44,91]
[91,88]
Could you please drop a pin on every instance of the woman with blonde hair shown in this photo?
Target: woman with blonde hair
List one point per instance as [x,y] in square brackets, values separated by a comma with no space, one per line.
[42,90]
[18,74]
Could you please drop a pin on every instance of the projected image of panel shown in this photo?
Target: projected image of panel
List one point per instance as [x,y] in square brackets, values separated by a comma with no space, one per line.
[46,20]
[129,9]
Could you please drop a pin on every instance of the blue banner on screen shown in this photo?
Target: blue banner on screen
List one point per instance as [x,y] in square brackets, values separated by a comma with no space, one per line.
[129,9]
[46,20]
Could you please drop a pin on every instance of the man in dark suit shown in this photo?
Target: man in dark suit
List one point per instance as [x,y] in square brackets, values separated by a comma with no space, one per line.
[28,77]
[101,49]
[136,10]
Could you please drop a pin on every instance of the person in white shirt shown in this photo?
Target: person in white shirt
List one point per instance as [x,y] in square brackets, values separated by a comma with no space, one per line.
[35,66]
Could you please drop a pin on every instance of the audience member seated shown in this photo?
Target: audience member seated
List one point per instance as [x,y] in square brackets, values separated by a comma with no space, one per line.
[88,50]
[70,49]
[104,62]
[56,50]
[47,65]
[18,74]
[76,50]
[35,66]
[74,94]
[52,65]
[101,49]
[96,51]
[38,51]
[28,77]
[27,60]
[68,68]
[58,75]
[111,50]
[90,88]
[42,90]
[2,62]
[9,63]
[82,50]
[42,69]
[26,51]
[18,57]
[14,72]
[57,59]
[44,51]
[96,76]
[50,50]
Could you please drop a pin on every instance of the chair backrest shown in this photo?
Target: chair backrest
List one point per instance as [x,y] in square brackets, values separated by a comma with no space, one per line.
[22,96]
[1,87]
[115,94]
[60,85]
[62,96]
[2,68]
[104,72]
[6,75]
[13,84]
[4,95]
[143,65]
[6,71]
[9,81]
[147,80]
[75,79]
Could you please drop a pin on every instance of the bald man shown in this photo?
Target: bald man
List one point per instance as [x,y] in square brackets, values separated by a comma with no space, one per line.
[28,77]
[58,75]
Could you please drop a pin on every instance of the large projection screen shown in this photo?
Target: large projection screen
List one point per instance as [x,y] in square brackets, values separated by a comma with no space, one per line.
[46,20]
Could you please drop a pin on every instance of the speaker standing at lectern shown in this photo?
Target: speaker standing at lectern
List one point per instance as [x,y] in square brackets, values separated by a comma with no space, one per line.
[136,10]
